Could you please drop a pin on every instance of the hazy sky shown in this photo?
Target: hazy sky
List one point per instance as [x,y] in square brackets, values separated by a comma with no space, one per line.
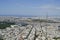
[30,7]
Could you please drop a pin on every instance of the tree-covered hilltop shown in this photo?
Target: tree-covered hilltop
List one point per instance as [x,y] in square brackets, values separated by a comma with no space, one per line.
[5,24]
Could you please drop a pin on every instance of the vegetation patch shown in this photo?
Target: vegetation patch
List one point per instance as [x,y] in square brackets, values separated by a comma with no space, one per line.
[56,38]
[4,24]
[44,20]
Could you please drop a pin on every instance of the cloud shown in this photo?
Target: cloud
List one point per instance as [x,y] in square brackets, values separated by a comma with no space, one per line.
[45,7]
[50,9]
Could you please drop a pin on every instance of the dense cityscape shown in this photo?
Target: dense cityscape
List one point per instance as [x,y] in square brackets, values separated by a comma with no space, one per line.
[29,19]
[25,28]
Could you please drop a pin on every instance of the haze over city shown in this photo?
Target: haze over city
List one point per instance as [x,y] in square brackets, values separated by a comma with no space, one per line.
[29,19]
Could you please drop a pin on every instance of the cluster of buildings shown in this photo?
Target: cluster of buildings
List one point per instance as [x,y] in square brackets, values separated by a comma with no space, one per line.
[15,32]
[32,31]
